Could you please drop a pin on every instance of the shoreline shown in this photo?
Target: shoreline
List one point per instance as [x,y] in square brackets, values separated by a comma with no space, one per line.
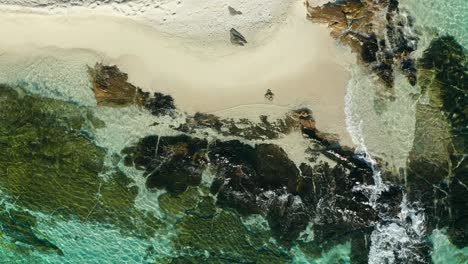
[299,62]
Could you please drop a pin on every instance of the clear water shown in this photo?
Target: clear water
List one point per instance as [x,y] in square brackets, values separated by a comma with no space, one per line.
[371,121]
[446,252]
[386,130]
[443,17]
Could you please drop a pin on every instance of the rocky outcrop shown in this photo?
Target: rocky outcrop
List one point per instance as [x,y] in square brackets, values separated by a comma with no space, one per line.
[245,128]
[261,179]
[375,30]
[111,88]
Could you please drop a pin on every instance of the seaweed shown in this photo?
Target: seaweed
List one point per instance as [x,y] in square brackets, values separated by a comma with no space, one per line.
[49,164]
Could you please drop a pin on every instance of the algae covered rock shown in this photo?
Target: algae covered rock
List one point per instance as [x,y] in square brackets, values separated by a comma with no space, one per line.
[19,227]
[222,238]
[48,163]
[437,166]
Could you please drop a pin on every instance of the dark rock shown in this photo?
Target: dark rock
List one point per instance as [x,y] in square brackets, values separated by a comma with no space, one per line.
[160,104]
[233,11]
[274,168]
[111,88]
[287,217]
[173,163]
[408,67]
[390,200]
[237,38]
[269,95]
[369,49]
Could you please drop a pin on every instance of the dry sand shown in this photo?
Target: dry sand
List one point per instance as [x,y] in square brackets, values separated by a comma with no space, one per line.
[298,61]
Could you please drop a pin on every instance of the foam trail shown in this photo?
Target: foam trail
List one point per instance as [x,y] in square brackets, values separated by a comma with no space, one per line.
[395,239]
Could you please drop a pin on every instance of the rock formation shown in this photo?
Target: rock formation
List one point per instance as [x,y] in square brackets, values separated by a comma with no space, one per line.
[376,30]
[111,88]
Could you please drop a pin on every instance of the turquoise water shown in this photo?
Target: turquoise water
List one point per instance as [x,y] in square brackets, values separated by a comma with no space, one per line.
[444,251]
[91,243]
[439,17]
[445,17]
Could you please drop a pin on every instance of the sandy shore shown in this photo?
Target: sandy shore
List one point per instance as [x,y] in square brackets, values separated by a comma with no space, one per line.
[298,62]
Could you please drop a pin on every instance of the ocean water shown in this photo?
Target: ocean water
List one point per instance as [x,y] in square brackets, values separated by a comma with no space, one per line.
[444,251]
[51,72]
[440,17]
[373,119]
[370,120]
[385,129]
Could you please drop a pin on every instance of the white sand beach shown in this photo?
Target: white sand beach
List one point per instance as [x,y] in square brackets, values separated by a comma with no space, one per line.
[293,57]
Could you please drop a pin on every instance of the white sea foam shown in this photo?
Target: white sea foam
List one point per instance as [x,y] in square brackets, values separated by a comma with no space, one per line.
[398,239]
[386,130]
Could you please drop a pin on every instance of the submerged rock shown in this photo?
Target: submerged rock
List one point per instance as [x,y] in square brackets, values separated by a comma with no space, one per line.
[222,238]
[173,163]
[437,173]
[19,226]
[49,164]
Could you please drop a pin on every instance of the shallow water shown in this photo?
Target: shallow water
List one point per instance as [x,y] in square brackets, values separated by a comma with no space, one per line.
[381,129]
[443,17]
